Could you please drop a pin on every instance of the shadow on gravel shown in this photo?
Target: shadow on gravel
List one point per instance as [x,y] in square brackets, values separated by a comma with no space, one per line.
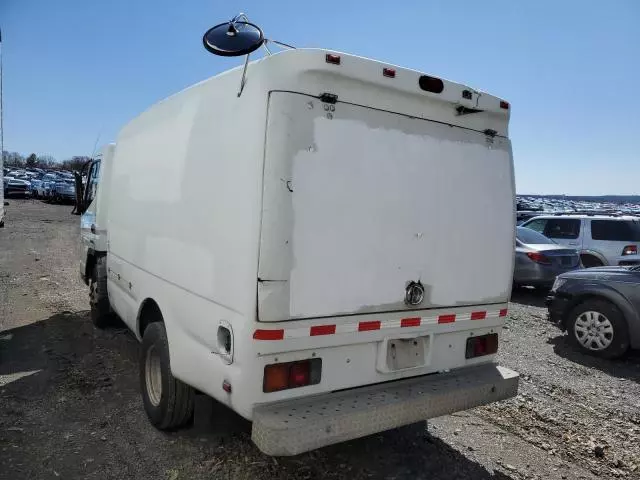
[533,297]
[61,351]
[71,408]
[627,367]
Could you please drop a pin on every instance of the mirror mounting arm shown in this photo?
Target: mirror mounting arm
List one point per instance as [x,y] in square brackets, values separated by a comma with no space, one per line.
[244,75]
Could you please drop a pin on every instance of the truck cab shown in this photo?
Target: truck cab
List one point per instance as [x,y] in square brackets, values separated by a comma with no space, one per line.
[93,233]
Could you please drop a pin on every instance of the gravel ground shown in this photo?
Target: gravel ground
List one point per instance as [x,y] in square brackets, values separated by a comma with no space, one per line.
[71,408]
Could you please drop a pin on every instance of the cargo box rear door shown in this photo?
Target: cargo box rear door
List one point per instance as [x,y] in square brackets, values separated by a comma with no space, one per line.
[359,204]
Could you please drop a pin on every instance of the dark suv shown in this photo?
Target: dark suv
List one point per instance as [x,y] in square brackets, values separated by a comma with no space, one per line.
[599,308]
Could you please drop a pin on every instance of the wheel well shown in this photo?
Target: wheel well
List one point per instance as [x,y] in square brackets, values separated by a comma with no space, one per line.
[91,263]
[597,259]
[149,313]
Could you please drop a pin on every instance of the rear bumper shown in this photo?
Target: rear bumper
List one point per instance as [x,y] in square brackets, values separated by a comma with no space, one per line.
[17,192]
[539,275]
[293,427]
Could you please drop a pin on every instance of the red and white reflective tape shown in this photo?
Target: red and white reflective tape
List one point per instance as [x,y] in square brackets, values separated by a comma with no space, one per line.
[369,325]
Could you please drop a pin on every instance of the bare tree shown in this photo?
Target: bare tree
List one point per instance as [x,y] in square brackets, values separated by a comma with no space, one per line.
[75,163]
[46,161]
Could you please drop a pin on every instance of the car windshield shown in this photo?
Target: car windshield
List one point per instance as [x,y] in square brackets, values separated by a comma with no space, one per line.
[526,235]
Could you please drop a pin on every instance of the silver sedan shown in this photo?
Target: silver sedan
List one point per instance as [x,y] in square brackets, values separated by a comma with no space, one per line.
[539,260]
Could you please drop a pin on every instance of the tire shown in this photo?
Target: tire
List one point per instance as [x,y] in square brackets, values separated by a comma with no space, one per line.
[101,313]
[589,261]
[168,402]
[603,345]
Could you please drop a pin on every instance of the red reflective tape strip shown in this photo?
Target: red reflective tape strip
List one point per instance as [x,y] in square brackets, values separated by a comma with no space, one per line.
[268,334]
[366,326]
[447,318]
[322,330]
[478,315]
[503,312]
[410,322]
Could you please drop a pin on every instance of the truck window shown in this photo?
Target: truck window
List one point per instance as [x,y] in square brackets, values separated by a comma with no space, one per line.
[92,182]
[615,230]
[567,228]
[537,225]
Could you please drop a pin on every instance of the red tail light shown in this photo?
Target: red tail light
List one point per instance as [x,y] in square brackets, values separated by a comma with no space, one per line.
[539,258]
[630,250]
[504,105]
[482,345]
[282,376]
[299,374]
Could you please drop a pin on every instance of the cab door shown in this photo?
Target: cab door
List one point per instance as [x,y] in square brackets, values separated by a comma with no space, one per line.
[89,234]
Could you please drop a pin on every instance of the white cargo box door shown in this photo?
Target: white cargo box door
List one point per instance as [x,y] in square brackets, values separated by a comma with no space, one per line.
[358,203]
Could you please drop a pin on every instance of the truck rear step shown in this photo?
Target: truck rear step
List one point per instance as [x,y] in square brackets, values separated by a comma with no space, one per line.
[293,427]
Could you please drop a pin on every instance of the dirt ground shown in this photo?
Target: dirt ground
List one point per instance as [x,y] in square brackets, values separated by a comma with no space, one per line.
[70,404]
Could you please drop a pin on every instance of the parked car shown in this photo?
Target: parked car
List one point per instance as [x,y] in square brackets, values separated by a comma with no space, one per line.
[539,260]
[600,239]
[35,184]
[63,190]
[15,187]
[45,188]
[599,308]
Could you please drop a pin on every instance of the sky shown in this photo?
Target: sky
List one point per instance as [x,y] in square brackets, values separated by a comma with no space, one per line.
[75,71]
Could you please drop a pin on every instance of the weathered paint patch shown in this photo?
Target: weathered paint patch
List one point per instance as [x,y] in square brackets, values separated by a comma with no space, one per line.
[380,200]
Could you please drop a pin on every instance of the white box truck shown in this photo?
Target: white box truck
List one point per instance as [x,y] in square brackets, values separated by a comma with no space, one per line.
[328,254]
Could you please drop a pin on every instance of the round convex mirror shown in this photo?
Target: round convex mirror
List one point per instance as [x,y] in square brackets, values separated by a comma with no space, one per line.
[233,39]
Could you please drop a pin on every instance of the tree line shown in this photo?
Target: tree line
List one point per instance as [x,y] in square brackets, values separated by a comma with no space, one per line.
[47,162]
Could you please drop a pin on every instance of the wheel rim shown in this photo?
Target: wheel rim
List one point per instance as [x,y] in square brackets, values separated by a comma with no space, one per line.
[593,330]
[153,376]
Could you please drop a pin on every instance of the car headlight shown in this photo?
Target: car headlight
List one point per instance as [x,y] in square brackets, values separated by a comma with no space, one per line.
[558,283]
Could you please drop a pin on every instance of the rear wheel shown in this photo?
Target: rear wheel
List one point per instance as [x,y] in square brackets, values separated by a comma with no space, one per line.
[168,402]
[101,314]
[598,327]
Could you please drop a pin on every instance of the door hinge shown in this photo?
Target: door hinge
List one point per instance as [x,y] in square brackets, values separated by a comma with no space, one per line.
[328,97]
[490,133]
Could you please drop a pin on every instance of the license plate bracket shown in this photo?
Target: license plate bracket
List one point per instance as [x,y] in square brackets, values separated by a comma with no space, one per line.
[403,353]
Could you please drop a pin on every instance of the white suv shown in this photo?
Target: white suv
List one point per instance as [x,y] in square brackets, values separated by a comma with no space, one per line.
[600,239]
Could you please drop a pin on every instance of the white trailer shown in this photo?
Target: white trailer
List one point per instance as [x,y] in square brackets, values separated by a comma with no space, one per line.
[329,254]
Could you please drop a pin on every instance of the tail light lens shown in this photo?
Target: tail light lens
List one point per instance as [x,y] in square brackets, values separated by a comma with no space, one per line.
[630,250]
[539,258]
[283,376]
[482,345]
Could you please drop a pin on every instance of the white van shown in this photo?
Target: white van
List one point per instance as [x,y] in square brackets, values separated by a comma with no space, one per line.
[300,252]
